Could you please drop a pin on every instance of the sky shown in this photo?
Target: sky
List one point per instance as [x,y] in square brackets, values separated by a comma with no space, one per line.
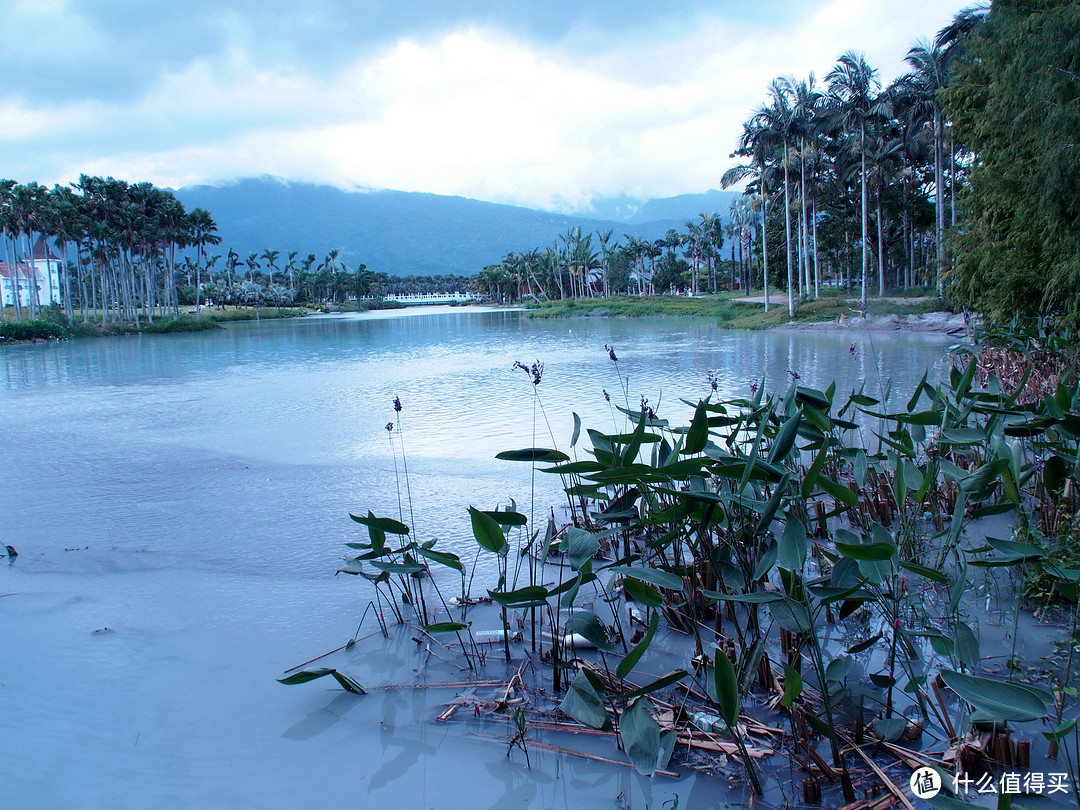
[548,105]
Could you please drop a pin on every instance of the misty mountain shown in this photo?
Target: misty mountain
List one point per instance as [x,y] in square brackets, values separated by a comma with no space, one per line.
[404,233]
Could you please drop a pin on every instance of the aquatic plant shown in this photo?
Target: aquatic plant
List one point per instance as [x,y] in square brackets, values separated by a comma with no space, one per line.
[767,530]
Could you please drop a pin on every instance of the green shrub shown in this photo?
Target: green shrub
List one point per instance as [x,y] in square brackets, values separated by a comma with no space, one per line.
[38,329]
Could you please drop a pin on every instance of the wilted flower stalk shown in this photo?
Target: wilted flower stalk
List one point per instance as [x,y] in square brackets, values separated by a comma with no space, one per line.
[536,371]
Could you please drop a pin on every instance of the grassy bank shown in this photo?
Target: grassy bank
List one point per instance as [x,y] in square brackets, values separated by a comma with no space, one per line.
[621,306]
[53,327]
[733,310]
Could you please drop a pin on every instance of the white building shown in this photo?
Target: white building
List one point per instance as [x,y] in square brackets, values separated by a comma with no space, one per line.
[20,277]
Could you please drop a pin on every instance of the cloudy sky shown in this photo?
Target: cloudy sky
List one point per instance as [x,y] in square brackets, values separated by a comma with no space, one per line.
[546,104]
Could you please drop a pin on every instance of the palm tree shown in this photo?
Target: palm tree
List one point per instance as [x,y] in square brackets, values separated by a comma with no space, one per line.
[754,143]
[290,268]
[606,249]
[807,103]
[928,78]
[203,232]
[778,124]
[852,85]
[884,155]
[271,257]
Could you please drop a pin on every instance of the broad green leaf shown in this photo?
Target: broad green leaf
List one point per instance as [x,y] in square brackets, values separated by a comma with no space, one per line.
[507,517]
[837,492]
[979,484]
[997,699]
[698,435]
[442,558]
[814,472]
[923,571]
[838,669]
[529,596]
[654,576]
[790,615]
[755,598]
[727,689]
[634,443]
[585,703]
[967,645]
[577,430]
[630,660]
[388,525]
[812,397]
[575,467]
[867,551]
[890,729]
[487,532]
[1017,551]
[855,649]
[792,551]
[769,512]
[766,562]
[793,686]
[445,627]
[785,439]
[642,592]
[640,735]
[533,454]
[587,625]
[659,683]
[579,546]
[961,436]
[860,468]
[305,675]
[668,738]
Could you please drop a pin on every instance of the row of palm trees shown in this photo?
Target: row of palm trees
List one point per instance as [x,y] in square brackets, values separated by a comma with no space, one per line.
[843,179]
[114,246]
[127,253]
[821,158]
[574,266]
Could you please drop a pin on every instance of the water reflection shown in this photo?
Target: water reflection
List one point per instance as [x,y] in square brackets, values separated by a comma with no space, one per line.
[203,484]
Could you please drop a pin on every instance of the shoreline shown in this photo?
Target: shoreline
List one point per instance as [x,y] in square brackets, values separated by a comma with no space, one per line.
[720,309]
[939,321]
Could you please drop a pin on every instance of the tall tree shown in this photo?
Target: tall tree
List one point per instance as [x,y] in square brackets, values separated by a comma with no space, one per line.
[202,232]
[1014,100]
[853,85]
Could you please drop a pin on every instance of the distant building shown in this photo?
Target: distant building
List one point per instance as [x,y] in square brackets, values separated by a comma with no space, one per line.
[19,278]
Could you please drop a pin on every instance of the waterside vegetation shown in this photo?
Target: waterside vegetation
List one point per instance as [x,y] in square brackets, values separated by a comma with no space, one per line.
[824,558]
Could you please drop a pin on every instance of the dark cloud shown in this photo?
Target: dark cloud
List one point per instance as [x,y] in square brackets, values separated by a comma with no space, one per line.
[112,50]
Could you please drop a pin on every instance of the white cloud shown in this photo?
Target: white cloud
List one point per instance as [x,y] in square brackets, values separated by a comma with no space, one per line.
[470,112]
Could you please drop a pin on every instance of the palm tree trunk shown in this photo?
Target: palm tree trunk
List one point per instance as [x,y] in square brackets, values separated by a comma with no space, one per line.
[880,250]
[817,271]
[787,229]
[939,200]
[804,236]
[764,247]
[865,226]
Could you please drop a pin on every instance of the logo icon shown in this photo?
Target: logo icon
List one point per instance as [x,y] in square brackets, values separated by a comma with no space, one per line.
[925,783]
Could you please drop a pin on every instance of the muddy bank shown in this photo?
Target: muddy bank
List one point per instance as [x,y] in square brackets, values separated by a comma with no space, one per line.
[944,322]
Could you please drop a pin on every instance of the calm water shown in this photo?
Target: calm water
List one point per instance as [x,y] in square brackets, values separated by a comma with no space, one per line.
[179,504]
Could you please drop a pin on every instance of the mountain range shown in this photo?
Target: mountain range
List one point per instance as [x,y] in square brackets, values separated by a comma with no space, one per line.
[406,233]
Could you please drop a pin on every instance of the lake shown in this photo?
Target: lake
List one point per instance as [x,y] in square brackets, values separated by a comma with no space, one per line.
[180,503]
